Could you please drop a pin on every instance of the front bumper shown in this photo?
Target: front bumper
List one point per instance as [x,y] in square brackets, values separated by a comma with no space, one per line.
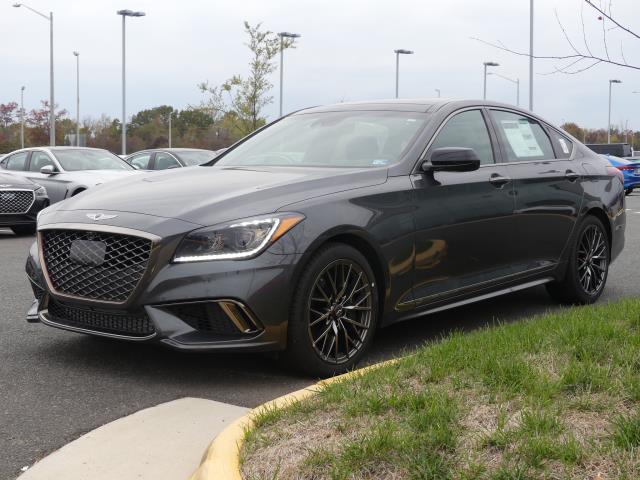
[28,218]
[219,305]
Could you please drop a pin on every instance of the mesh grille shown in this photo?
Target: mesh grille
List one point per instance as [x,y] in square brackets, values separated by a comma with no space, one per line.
[95,265]
[15,201]
[120,323]
[205,317]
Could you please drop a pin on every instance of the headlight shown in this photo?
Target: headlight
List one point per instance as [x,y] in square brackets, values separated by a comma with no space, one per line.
[235,240]
[40,191]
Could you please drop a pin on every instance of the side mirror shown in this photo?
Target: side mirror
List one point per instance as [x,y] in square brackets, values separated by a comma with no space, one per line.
[48,170]
[452,159]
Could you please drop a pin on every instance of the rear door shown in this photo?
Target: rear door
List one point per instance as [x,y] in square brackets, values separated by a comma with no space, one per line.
[547,187]
[463,219]
[55,184]
[17,163]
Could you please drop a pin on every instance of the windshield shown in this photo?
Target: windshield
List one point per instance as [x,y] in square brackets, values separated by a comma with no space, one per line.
[330,139]
[73,160]
[196,157]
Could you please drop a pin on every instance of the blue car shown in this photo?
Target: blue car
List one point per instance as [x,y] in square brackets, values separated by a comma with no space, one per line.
[630,170]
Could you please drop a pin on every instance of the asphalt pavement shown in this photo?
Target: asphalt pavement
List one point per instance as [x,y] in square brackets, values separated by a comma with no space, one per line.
[56,385]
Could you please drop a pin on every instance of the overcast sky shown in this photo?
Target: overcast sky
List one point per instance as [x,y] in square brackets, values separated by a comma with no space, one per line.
[345,53]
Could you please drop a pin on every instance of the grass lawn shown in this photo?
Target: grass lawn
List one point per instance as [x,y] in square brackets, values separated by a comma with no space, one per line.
[556,396]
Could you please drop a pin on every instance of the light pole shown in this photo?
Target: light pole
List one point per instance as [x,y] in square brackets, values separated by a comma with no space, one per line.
[438,92]
[398,53]
[611,82]
[22,117]
[52,105]
[516,82]
[282,36]
[125,14]
[77,55]
[484,85]
[531,56]
[170,128]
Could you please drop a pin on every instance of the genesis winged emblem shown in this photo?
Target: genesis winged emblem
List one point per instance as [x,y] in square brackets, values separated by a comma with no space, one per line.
[100,216]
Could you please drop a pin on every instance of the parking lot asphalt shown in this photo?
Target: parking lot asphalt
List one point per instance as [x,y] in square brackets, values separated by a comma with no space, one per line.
[56,385]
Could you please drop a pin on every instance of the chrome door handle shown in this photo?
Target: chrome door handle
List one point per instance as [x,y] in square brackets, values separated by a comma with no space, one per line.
[498,180]
[571,175]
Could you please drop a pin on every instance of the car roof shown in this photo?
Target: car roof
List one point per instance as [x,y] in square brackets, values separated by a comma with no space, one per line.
[170,150]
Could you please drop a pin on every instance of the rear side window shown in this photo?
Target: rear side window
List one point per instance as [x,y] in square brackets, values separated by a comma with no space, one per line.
[523,138]
[141,161]
[563,145]
[466,130]
[17,161]
[164,161]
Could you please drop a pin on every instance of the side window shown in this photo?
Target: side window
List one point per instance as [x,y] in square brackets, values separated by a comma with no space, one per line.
[563,145]
[164,161]
[141,161]
[17,161]
[39,160]
[523,138]
[467,130]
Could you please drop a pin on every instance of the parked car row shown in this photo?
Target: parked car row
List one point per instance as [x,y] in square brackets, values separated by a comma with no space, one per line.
[312,232]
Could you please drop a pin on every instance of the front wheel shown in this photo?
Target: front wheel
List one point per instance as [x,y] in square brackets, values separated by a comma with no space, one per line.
[588,265]
[334,312]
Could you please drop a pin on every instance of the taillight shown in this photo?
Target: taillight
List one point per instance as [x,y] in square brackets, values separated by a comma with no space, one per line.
[626,167]
[615,172]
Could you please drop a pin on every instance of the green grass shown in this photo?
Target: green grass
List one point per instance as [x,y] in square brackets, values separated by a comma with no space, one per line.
[548,397]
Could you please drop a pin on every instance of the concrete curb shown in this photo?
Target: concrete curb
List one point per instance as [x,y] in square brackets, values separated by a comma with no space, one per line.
[221,460]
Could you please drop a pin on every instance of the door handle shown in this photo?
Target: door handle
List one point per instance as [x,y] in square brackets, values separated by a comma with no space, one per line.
[498,180]
[571,175]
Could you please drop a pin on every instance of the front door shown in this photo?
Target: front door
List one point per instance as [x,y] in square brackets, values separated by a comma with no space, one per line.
[463,219]
[55,184]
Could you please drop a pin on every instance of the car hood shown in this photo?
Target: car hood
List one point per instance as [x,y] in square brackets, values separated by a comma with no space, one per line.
[210,195]
[97,177]
[15,181]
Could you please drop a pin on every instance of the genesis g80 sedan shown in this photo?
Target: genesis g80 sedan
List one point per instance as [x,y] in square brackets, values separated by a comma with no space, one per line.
[20,202]
[316,230]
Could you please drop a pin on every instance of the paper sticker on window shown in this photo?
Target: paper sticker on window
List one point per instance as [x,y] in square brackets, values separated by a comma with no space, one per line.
[521,138]
[563,145]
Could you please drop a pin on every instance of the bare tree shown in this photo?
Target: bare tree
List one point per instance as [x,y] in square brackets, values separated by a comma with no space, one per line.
[584,57]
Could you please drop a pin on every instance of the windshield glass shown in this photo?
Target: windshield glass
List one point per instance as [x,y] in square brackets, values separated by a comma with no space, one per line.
[331,139]
[196,157]
[73,160]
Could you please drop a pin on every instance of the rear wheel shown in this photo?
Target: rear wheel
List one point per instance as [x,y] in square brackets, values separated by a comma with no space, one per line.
[588,266]
[628,191]
[334,312]
[24,229]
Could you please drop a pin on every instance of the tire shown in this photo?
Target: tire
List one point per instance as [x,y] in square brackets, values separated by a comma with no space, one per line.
[585,278]
[628,191]
[24,229]
[327,336]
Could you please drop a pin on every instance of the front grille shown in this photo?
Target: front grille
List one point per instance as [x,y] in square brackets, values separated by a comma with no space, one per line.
[16,201]
[205,317]
[94,265]
[115,322]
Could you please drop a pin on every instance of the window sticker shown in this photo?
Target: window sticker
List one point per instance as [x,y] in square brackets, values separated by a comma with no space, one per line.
[521,138]
[563,145]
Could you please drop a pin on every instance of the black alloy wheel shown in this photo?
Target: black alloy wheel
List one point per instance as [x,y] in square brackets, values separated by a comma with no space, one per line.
[588,265]
[334,312]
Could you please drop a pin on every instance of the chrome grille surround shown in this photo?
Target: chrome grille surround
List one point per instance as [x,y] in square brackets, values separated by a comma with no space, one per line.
[16,201]
[126,259]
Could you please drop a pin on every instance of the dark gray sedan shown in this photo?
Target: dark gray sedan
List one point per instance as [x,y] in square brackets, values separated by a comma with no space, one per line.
[321,227]
[166,158]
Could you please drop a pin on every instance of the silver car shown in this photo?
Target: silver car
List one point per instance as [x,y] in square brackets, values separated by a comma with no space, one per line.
[66,171]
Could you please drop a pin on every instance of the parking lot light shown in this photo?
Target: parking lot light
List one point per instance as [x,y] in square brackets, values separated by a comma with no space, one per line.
[52,105]
[77,55]
[611,82]
[22,116]
[282,36]
[484,89]
[399,52]
[125,14]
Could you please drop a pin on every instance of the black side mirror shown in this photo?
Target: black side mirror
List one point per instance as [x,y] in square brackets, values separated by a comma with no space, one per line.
[452,159]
